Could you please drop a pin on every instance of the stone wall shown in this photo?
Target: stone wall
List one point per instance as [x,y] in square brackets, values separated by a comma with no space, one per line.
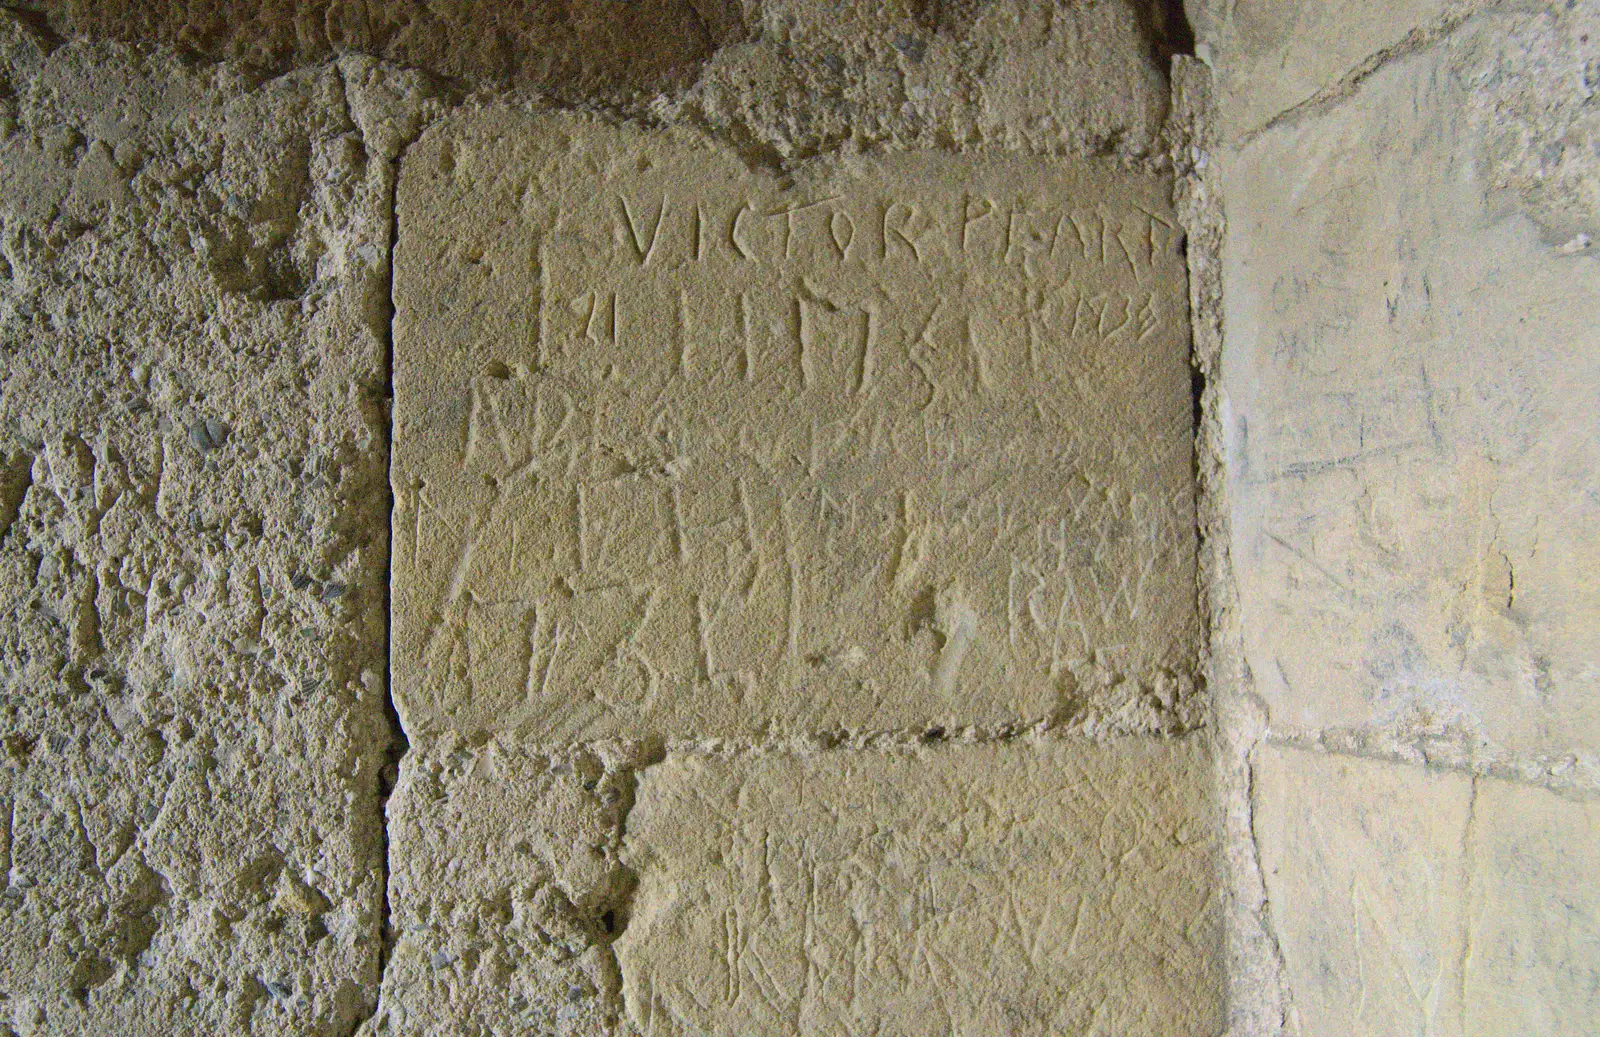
[193,304]
[769,518]
[1404,433]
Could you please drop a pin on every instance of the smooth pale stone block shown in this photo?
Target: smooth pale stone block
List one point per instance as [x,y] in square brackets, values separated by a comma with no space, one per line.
[1365,882]
[1532,966]
[1412,425]
[1272,55]
[1025,888]
[1409,900]
[685,447]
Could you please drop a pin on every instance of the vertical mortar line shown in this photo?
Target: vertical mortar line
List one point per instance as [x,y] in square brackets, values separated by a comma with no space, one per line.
[1283,996]
[389,775]
[1174,33]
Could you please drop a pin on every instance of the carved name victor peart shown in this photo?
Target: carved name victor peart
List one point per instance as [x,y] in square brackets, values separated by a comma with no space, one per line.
[891,443]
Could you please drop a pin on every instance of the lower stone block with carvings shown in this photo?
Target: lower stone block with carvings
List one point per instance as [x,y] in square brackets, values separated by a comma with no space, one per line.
[1056,887]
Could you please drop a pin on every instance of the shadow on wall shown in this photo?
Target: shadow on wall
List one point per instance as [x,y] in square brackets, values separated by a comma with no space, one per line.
[1167,27]
[568,47]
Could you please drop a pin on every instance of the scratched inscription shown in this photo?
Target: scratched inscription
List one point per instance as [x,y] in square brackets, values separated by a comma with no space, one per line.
[1042,889]
[684,448]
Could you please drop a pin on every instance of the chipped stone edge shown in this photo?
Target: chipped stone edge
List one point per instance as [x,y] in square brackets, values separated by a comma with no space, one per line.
[390,152]
[1255,991]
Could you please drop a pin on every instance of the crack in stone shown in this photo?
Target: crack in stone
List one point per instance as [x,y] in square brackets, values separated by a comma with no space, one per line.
[1468,852]
[1329,97]
[398,745]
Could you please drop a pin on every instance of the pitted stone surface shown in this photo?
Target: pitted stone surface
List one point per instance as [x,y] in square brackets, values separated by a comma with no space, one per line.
[507,889]
[192,545]
[573,46]
[685,447]
[1021,888]
[783,77]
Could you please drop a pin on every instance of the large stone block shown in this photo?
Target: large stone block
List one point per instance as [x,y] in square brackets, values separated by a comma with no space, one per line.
[1024,888]
[1411,422]
[684,446]
[1366,890]
[1532,956]
[192,542]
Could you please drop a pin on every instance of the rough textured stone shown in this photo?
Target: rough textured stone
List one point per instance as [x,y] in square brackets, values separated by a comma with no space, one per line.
[507,889]
[1058,77]
[786,77]
[684,448]
[192,316]
[1407,900]
[1046,888]
[192,544]
[1412,430]
[1534,80]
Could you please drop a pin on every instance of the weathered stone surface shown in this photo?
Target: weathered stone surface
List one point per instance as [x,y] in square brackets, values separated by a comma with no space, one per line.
[1407,900]
[683,448]
[507,889]
[783,77]
[191,548]
[1534,79]
[1412,426]
[1044,76]
[1046,888]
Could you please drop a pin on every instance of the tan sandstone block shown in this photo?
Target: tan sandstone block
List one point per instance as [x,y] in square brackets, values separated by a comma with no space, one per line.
[571,47]
[684,446]
[1024,888]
